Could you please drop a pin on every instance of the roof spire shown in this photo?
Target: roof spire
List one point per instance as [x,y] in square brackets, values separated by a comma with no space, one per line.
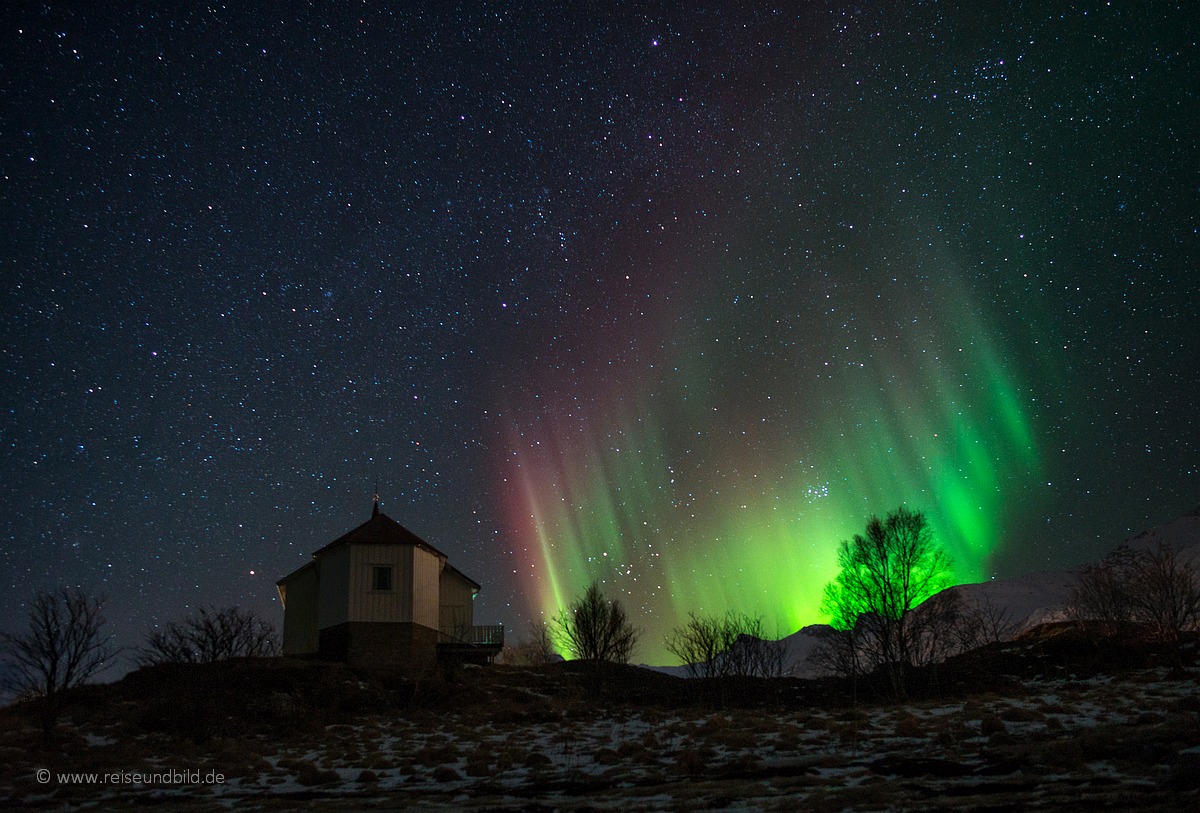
[375,507]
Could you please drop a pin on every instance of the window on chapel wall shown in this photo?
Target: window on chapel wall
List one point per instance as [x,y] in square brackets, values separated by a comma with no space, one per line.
[381,578]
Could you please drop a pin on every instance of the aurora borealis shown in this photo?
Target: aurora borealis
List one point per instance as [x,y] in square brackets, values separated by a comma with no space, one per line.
[672,298]
[704,484]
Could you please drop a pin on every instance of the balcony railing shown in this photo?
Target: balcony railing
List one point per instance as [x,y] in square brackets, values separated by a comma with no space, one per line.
[490,635]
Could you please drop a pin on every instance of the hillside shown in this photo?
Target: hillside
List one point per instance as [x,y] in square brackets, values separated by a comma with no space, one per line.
[1061,716]
[1023,602]
[1039,598]
[1055,717]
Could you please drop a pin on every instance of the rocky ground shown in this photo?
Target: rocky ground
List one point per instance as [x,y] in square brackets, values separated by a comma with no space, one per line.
[1046,725]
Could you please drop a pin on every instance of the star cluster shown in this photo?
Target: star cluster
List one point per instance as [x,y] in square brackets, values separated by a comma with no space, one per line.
[672,300]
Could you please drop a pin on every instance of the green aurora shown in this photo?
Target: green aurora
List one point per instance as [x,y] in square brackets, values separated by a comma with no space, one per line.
[713,481]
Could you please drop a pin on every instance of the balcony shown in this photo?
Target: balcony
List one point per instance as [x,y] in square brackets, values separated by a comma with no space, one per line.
[472,643]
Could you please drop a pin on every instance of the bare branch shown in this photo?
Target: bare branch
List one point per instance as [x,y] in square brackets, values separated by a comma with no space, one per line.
[594,628]
[885,574]
[734,644]
[64,646]
[209,635]
[1154,587]
[536,649]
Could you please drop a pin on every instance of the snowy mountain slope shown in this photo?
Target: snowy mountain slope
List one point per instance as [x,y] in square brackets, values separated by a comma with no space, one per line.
[1183,534]
[1024,601]
[1038,598]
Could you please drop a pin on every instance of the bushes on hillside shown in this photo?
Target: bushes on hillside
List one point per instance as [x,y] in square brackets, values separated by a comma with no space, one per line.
[208,635]
[64,645]
[732,645]
[884,575]
[596,628]
[535,649]
[1154,587]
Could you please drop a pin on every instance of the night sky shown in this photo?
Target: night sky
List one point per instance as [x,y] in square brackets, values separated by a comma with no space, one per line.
[671,299]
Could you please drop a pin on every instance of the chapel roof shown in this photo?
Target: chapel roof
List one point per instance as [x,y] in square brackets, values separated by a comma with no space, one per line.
[380,529]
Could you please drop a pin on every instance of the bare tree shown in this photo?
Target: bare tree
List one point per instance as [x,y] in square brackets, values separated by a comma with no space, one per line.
[699,644]
[884,575]
[735,644]
[1101,590]
[985,623]
[64,646]
[838,652]
[753,653]
[210,634]
[936,628]
[535,649]
[594,628]
[1164,593]
[1154,587]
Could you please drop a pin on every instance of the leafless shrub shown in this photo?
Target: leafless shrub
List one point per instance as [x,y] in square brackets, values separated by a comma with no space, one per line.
[1100,592]
[982,624]
[753,653]
[210,634]
[838,652]
[941,627]
[595,628]
[1154,587]
[1164,593]
[535,649]
[698,645]
[63,646]
[934,629]
[734,644]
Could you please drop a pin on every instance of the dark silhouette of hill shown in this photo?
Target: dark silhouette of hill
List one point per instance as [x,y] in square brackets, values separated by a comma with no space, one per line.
[990,724]
[275,696]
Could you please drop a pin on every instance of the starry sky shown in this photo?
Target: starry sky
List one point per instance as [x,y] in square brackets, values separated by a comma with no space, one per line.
[672,296]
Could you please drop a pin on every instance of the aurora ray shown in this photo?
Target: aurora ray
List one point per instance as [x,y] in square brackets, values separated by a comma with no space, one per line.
[703,484]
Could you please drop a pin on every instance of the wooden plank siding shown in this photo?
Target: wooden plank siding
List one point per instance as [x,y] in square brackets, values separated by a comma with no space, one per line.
[299,597]
[426,568]
[457,609]
[333,603]
[381,605]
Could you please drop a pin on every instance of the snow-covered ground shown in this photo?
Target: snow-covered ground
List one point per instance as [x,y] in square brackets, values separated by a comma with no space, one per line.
[1132,742]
